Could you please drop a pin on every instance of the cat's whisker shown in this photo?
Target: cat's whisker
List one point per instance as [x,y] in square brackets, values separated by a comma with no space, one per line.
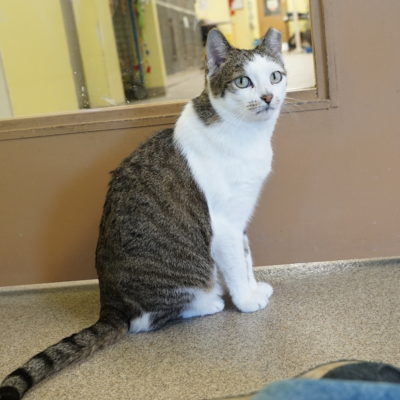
[294,104]
[290,98]
[293,109]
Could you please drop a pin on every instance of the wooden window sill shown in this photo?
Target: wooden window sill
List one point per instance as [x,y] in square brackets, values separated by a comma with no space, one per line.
[125,117]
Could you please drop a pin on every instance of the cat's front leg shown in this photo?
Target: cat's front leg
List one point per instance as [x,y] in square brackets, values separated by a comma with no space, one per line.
[249,261]
[228,251]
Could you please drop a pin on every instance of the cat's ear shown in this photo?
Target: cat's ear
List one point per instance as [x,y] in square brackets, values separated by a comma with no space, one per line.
[217,48]
[272,42]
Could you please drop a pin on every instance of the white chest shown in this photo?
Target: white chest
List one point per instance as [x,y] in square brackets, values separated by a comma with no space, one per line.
[229,163]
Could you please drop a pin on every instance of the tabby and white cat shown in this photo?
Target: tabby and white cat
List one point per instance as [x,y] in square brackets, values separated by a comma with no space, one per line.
[173,231]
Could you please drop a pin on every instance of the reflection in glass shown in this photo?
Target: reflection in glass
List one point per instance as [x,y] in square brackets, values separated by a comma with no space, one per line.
[62,56]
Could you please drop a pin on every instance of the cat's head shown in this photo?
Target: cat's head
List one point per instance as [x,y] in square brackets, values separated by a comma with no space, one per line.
[247,84]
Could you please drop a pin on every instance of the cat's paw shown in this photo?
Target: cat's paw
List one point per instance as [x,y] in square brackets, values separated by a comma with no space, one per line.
[204,306]
[217,306]
[256,299]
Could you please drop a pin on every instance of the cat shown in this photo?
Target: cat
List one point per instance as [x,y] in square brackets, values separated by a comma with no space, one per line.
[172,236]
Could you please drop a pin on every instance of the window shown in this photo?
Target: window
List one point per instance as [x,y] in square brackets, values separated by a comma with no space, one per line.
[57,58]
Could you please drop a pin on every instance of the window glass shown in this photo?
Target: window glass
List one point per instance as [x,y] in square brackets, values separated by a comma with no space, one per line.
[67,55]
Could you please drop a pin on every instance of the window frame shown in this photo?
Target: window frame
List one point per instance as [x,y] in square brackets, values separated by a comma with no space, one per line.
[322,97]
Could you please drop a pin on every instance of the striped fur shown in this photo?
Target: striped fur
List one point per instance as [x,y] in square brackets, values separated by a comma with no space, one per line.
[107,330]
[154,242]
[155,234]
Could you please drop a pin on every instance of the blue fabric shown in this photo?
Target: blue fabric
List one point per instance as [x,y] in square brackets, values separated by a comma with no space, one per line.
[329,389]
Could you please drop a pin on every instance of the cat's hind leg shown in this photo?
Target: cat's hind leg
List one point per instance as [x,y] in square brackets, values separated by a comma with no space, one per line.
[204,303]
[150,321]
[142,323]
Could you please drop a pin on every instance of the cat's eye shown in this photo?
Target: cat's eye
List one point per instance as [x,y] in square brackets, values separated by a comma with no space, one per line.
[276,77]
[243,82]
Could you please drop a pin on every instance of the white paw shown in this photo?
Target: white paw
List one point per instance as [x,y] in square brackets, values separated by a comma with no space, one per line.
[217,306]
[256,299]
[201,308]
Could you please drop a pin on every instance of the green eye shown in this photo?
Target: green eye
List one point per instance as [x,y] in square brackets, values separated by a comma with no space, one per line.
[243,82]
[276,77]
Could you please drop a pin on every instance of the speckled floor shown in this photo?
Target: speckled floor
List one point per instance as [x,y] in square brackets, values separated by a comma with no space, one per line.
[319,312]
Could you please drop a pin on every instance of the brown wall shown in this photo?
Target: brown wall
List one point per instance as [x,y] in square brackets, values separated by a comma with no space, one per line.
[334,192]
[52,192]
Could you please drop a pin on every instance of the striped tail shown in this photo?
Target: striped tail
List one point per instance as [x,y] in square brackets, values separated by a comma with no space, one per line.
[106,331]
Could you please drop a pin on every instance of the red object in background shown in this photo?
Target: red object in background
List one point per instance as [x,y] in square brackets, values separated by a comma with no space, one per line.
[230,2]
[148,69]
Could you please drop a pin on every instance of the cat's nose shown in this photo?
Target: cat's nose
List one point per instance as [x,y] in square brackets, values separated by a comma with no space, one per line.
[267,98]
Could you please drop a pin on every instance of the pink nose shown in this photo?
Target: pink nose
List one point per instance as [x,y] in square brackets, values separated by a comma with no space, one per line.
[267,98]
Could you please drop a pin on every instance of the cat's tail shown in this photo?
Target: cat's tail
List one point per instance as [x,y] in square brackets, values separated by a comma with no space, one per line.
[107,330]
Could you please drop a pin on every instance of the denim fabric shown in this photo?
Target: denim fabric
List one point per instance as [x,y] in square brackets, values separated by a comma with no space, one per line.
[329,389]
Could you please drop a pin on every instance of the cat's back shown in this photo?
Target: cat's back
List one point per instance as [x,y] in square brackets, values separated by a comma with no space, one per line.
[156,153]
[152,200]
[156,164]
